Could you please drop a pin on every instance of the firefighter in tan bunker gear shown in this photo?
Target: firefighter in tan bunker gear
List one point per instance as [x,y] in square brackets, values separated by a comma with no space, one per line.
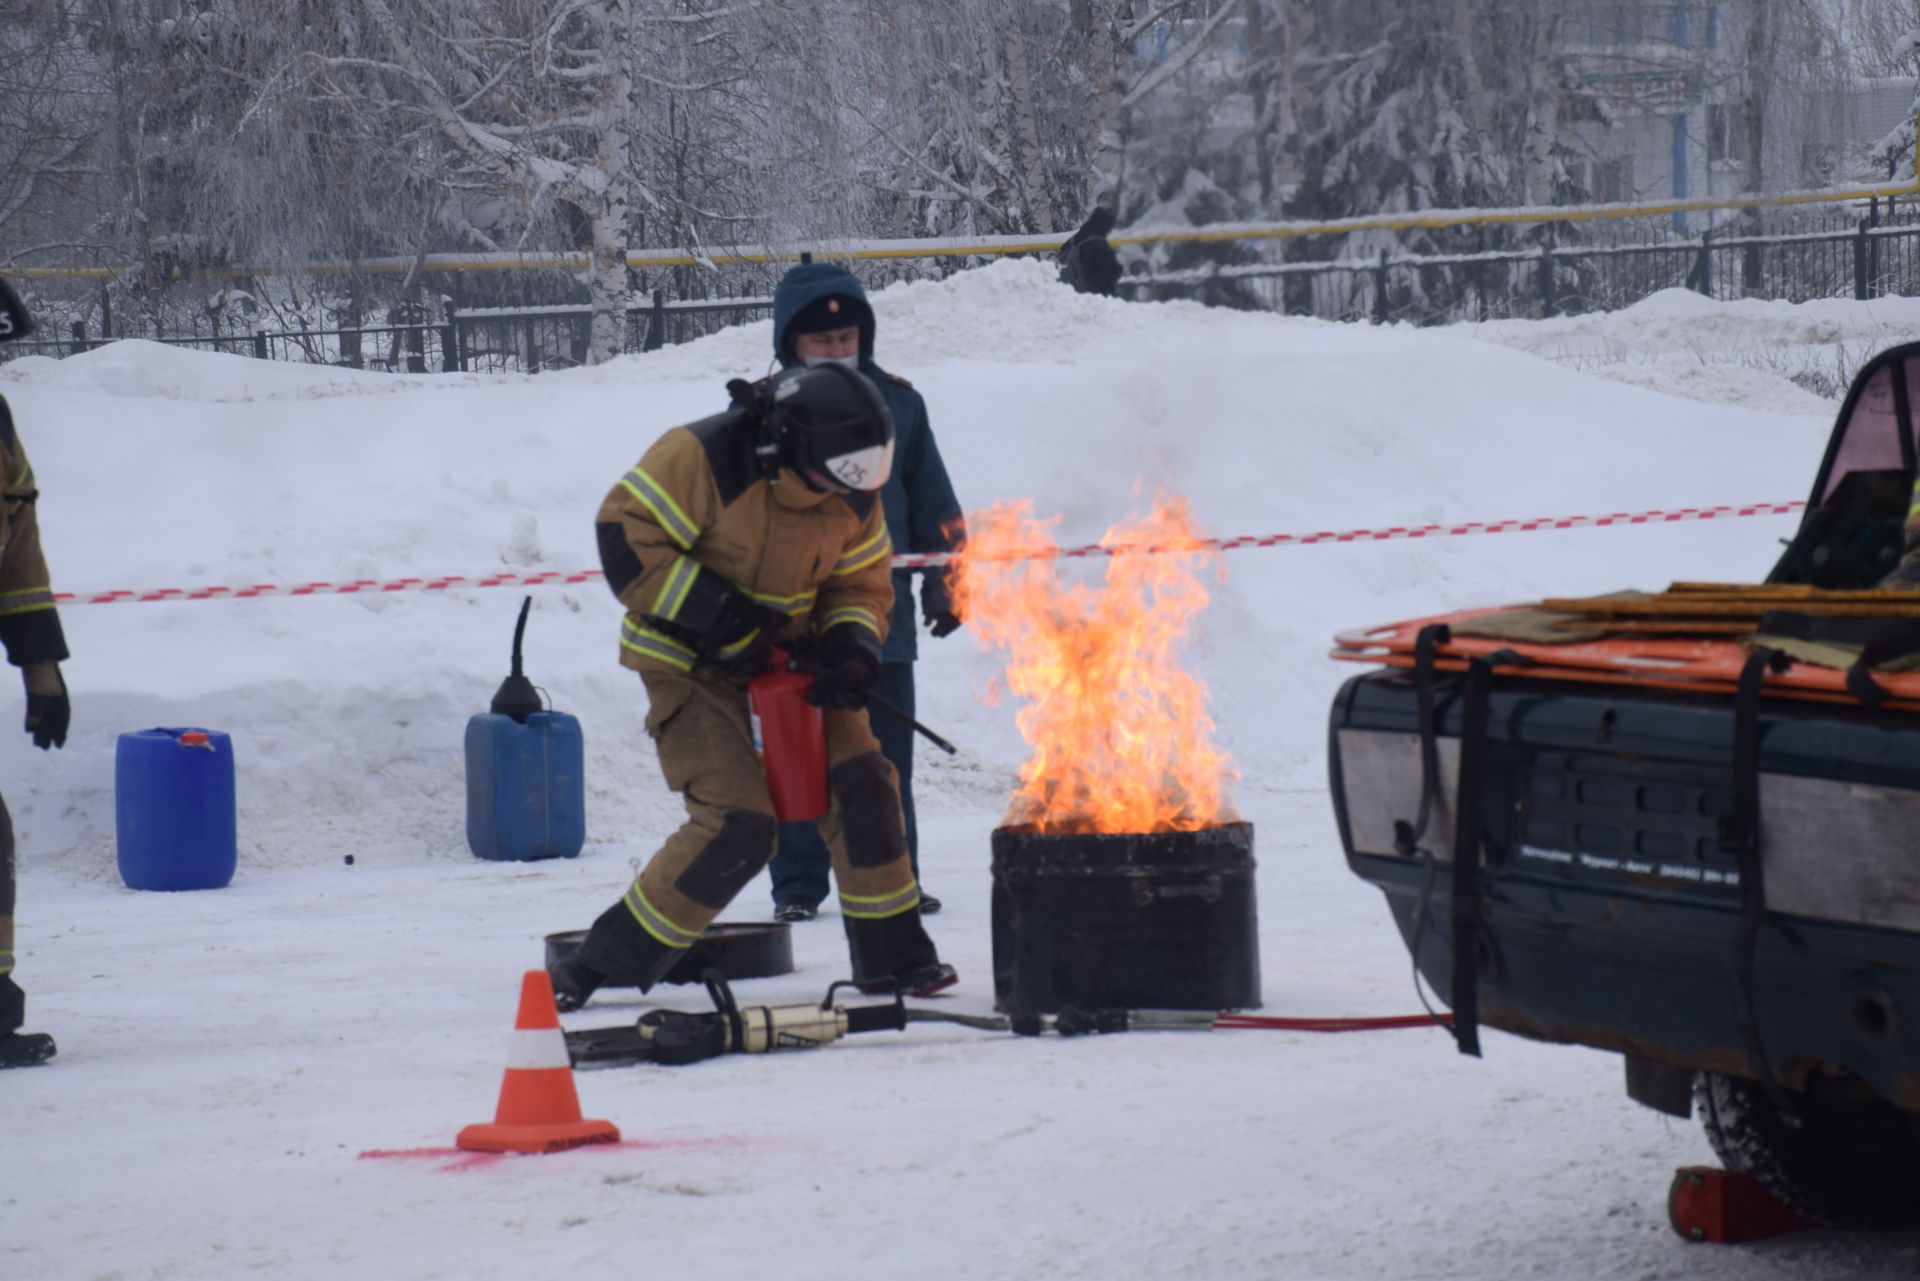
[30,631]
[759,526]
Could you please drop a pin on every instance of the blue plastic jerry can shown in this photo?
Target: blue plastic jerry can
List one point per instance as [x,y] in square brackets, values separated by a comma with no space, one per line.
[174,809]
[526,786]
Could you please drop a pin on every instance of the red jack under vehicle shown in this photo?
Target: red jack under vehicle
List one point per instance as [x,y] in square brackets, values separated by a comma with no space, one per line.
[1710,1204]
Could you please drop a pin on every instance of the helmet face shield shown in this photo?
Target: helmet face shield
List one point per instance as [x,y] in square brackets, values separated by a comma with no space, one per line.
[865,468]
[834,427]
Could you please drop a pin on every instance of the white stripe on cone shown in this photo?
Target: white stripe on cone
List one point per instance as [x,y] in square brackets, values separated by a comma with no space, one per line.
[536,1048]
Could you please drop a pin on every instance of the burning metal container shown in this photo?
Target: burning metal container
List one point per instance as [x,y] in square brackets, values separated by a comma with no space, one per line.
[1121,877]
[1162,920]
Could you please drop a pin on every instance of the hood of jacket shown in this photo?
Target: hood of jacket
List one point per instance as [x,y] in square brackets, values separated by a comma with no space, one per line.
[803,285]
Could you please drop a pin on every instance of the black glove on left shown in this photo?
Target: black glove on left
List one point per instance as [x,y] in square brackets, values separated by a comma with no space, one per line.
[943,622]
[847,666]
[48,710]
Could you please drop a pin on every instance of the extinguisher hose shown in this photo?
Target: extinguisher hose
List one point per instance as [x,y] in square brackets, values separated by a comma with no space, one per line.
[900,713]
[801,659]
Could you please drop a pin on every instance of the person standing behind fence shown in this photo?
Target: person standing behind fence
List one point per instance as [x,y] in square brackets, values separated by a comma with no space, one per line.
[820,314]
[1087,260]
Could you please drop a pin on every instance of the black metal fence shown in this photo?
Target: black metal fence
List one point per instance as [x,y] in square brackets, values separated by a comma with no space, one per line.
[484,339]
[1812,256]
[1874,257]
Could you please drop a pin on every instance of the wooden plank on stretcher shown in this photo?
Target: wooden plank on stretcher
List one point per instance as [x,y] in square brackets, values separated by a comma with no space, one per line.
[1664,626]
[1785,591]
[1688,607]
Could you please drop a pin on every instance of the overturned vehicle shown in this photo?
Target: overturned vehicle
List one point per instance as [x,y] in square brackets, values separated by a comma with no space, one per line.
[1685,827]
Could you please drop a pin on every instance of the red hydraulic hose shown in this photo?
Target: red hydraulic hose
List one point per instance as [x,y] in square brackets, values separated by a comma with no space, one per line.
[1330,1024]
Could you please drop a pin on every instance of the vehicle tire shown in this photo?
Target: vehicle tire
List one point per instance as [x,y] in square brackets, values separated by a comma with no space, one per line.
[1852,1161]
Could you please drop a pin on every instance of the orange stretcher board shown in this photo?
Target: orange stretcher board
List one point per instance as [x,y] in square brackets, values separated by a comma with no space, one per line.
[1706,665]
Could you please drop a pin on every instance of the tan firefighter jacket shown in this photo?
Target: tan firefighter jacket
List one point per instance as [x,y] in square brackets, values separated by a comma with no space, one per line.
[695,517]
[29,627]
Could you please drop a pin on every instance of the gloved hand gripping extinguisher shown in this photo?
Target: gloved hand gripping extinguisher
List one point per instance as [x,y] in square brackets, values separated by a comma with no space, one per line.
[790,738]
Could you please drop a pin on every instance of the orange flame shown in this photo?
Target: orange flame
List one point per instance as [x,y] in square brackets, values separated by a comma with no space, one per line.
[1119,729]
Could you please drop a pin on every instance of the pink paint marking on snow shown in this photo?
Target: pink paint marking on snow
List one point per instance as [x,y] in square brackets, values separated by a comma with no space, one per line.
[459,1159]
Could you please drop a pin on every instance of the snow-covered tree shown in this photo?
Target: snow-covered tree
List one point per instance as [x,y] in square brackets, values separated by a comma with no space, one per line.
[525,99]
[48,127]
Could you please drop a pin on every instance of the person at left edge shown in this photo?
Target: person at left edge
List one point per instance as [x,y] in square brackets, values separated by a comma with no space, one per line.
[30,631]
[756,527]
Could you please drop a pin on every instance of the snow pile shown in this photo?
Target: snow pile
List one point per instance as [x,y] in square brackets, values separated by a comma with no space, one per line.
[348,711]
[1761,353]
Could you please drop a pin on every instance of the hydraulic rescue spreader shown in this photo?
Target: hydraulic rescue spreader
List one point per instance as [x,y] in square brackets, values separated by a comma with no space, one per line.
[677,1037]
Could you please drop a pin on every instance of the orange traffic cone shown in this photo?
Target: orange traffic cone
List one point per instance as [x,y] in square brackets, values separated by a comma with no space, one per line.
[539,1111]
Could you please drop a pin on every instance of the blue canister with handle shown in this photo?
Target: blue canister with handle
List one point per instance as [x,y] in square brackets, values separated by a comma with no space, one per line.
[174,809]
[526,773]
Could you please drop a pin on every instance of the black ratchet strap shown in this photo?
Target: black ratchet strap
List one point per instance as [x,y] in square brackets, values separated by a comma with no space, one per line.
[1468,838]
[1740,837]
[1894,643]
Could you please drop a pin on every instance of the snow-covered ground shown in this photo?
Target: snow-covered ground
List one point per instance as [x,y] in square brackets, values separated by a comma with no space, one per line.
[227,1056]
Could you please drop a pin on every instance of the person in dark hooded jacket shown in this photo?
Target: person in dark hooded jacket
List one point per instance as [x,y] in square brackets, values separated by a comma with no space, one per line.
[820,313]
[1087,260]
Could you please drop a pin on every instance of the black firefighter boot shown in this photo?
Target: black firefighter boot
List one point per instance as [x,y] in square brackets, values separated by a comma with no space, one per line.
[894,954]
[17,1048]
[616,950]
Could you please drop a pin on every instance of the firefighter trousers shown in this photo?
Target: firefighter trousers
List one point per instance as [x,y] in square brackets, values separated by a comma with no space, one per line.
[702,733]
[13,1002]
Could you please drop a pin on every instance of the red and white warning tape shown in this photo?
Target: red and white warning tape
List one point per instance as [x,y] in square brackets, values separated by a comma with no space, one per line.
[353,587]
[1392,532]
[556,577]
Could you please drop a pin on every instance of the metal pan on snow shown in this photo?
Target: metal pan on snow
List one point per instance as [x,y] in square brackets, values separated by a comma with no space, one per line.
[739,950]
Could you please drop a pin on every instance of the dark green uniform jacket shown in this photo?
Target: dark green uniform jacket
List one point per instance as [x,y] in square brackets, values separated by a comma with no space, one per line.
[922,513]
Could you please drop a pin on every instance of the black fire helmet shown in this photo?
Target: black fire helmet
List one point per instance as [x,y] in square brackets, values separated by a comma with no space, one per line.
[833,427]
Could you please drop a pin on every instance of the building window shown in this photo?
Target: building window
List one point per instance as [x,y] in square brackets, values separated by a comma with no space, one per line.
[1611,181]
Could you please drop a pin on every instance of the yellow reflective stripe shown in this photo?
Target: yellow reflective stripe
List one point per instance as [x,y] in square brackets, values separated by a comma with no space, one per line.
[728,651]
[851,614]
[785,604]
[673,592]
[1915,509]
[6,962]
[26,474]
[26,600]
[875,549]
[654,922]
[651,644]
[876,907]
[652,496]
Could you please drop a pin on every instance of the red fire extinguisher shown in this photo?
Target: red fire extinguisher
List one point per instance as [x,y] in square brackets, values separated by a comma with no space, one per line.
[790,737]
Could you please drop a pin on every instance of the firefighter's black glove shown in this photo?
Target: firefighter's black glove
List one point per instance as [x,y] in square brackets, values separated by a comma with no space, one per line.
[729,630]
[847,664]
[48,711]
[936,606]
[742,653]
